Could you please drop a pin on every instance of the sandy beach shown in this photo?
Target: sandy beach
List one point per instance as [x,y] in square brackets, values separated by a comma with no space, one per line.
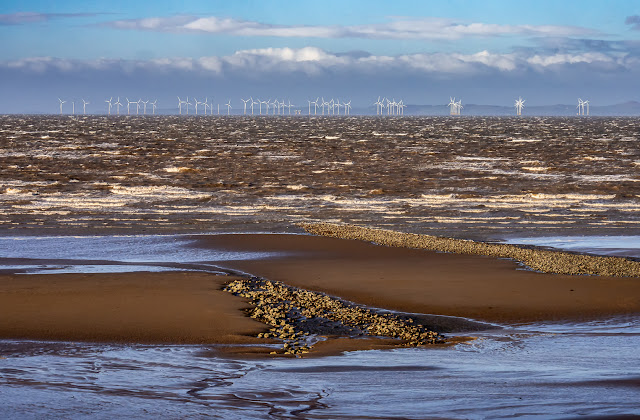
[482,288]
[172,307]
[191,307]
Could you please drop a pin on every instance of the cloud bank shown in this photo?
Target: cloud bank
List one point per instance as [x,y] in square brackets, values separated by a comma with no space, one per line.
[315,61]
[423,28]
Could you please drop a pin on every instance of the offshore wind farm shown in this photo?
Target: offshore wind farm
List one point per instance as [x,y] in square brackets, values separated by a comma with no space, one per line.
[320,210]
[333,107]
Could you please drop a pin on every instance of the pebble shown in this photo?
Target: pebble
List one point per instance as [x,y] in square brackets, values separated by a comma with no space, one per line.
[556,262]
[297,316]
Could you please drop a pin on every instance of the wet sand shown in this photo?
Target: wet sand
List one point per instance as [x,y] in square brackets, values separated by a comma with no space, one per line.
[409,280]
[191,307]
[172,307]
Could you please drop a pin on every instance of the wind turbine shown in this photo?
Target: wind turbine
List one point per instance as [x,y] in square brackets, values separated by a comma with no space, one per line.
[138,106]
[153,104]
[266,103]
[347,108]
[197,103]
[325,103]
[378,105]
[84,106]
[252,104]
[206,105]
[118,105]
[519,105]
[180,102]
[73,107]
[187,104]
[109,102]
[580,106]
[228,105]
[128,103]
[289,106]
[144,112]
[61,102]
[587,104]
[452,106]
[459,107]
[245,105]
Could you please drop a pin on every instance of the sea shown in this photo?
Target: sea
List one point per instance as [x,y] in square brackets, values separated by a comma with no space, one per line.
[100,194]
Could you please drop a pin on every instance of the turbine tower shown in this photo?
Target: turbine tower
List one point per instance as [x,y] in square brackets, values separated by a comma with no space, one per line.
[153,104]
[228,105]
[452,106]
[519,105]
[109,102]
[459,107]
[61,102]
[84,106]
[128,103]
[144,112]
[180,102]
[197,103]
[245,105]
[580,106]
[118,105]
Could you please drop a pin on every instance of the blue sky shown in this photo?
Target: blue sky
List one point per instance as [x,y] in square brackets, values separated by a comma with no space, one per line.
[421,51]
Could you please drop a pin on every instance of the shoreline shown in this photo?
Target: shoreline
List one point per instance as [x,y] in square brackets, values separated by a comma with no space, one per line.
[191,307]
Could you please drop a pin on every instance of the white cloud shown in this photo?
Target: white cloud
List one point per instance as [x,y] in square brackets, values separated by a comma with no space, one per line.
[405,28]
[314,61]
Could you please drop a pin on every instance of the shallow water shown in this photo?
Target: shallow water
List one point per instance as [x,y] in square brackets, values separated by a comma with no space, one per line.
[622,246]
[526,371]
[103,254]
[536,370]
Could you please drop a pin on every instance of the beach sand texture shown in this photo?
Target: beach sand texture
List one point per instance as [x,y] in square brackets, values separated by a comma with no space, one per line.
[191,307]
[419,281]
[175,307]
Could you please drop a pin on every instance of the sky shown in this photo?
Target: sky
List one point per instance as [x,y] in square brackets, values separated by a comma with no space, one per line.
[423,52]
